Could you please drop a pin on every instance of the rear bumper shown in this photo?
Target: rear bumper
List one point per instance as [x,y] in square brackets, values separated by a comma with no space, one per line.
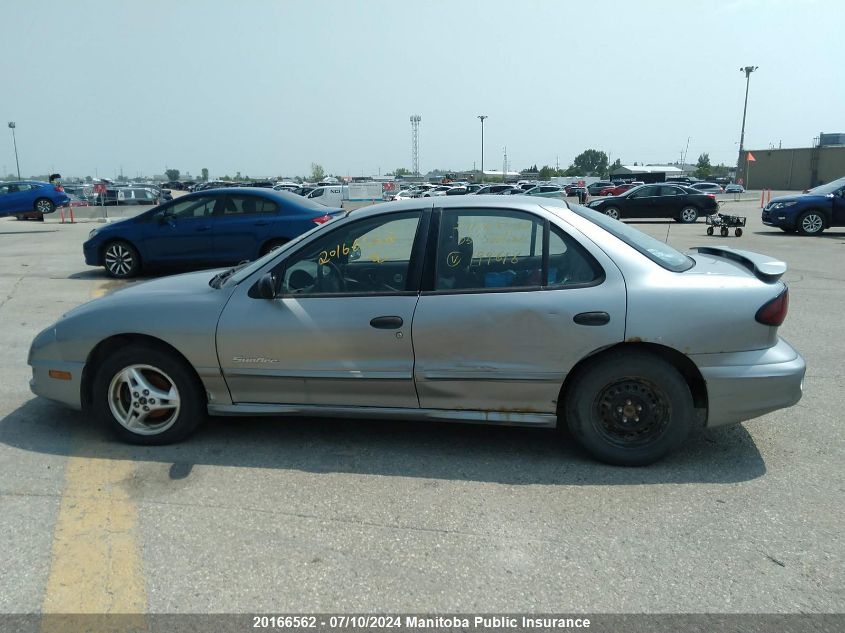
[746,385]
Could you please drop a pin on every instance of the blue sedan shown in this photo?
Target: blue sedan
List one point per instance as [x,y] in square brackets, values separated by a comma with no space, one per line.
[31,198]
[214,227]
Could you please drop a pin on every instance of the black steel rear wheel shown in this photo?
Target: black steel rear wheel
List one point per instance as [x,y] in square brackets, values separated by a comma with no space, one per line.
[629,408]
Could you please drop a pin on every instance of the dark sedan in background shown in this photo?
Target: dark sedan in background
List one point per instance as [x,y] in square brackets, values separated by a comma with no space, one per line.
[206,228]
[658,201]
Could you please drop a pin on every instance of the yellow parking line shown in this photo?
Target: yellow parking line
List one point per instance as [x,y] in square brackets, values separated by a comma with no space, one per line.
[96,562]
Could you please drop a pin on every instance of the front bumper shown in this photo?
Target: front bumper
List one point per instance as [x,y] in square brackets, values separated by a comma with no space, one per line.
[746,385]
[67,392]
[777,218]
[91,251]
[44,357]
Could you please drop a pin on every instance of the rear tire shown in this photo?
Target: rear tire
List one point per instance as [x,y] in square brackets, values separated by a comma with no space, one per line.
[688,215]
[709,230]
[43,206]
[121,260]
[272,245]
[629,409]
[146,395]
[810,223]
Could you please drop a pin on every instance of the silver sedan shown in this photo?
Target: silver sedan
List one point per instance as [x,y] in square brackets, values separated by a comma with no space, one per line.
[511,310]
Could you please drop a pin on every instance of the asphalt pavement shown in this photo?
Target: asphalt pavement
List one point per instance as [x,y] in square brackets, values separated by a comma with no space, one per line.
[282,515]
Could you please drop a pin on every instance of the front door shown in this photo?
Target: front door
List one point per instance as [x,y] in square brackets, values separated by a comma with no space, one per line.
[339,331]
[644,203]
[498,330]
[181,231]
[839,208]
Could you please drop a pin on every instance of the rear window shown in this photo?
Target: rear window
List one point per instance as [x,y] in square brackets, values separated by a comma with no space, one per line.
[658,252]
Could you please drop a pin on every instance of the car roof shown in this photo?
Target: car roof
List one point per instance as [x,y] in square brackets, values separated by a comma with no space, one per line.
[520,202]
[259,192]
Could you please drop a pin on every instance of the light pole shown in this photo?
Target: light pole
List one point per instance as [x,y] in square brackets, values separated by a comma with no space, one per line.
[481,118]
[747,70]
[14,141]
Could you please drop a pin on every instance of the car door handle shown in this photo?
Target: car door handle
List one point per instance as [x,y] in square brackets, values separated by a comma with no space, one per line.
[387,322]
[592,318]
[203,228]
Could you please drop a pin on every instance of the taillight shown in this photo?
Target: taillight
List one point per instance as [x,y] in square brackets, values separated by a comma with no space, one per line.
[711,195]
[322,219]
[59,188]
[774,312]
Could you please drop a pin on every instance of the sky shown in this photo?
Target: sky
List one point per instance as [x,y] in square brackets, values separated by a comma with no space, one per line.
[269,87]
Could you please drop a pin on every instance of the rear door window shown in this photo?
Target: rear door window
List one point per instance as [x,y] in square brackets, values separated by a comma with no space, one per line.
[488,249]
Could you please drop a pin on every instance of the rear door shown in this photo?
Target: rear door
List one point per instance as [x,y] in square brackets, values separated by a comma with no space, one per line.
[241,226]
[495,328]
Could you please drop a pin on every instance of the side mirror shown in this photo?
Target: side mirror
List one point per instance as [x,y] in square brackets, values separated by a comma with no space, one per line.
[267,287]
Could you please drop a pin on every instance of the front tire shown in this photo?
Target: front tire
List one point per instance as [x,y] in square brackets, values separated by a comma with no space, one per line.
[121,259]
[688,215]
[147,396]
[810,223]
[629,409]
[613,212]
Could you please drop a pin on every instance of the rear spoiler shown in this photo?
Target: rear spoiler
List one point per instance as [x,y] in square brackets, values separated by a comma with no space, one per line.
[764,267]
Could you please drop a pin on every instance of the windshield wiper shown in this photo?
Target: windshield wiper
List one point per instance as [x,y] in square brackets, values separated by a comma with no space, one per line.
[219,278]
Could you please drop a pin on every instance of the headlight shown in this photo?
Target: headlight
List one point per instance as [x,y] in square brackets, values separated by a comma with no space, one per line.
[93,232]
[783,205]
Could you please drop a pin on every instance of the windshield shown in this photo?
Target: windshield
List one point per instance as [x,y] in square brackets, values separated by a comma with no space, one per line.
[247,270]
[823,190]
[654,249]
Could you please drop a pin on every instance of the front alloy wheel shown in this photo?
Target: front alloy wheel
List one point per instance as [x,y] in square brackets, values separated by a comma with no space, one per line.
[144,399]
[811,223]
[612,212]
[147,395]
[121,260]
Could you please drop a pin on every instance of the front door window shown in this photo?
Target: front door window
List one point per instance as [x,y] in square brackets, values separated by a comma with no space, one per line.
[364,257]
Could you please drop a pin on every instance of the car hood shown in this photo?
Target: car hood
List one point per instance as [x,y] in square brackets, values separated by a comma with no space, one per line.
[166,290]
[801,197]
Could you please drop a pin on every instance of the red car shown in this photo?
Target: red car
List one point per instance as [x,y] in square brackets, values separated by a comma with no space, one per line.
[618,189]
